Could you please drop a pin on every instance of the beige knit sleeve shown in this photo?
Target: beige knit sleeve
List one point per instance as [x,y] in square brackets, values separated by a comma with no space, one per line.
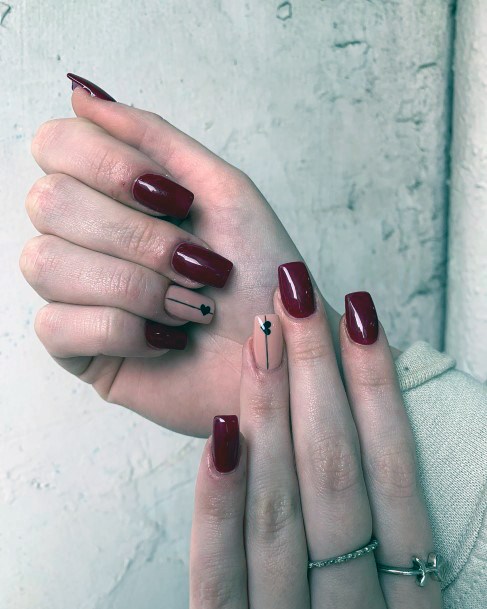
[448,414]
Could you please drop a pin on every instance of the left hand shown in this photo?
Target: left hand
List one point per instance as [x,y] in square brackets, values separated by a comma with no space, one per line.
[346,472]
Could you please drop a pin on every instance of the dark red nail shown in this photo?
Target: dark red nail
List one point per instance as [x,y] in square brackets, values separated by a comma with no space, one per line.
[296,290]
[201,264]
[79,81]
[361,318]
[225,442]
[162,195]
[160,336]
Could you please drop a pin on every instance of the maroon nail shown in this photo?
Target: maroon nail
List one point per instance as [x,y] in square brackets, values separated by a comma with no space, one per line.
[296,289]
[201,264]
[162,195]
[225,442]
[94,90]
[361,318]
[160,336]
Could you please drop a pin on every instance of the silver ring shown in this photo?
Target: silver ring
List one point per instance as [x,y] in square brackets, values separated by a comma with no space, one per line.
[434,566]
[336,560]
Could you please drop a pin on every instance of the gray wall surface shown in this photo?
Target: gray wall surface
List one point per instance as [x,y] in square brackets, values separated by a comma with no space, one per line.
[339,111]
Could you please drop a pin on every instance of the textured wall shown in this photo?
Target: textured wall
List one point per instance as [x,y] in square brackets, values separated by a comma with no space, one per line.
[338,110]
[466,335]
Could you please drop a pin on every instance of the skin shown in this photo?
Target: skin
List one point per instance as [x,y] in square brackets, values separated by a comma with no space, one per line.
[90,163]
[346,471]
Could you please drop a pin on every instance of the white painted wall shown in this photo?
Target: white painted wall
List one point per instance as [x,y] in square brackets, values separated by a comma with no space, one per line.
[340,115]
[466,330]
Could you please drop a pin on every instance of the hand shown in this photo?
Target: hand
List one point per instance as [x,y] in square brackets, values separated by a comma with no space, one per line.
[346,472]
[103,262]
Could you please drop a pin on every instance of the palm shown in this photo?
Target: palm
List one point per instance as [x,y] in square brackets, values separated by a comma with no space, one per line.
[183,390]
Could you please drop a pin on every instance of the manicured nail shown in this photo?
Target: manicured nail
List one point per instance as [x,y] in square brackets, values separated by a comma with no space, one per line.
[189,305]
[201,264]
[160,336]
[361,318]
[94,90]
[296,289]
[163,195]
[268,341]
[225,442]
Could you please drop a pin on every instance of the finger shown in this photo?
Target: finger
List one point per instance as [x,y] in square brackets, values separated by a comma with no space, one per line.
[60,205]
[388,451]
[62,272]
[218,576]
[333,494]
[80,148]
[186,160]
[275,539]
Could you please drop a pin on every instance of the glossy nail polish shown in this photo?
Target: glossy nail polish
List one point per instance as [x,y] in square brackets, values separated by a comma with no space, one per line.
[201,264]
[189,305]
[296,289]
[162,195]
[268,342]
[159,336]
[361,318]
[93,90]
[225,442]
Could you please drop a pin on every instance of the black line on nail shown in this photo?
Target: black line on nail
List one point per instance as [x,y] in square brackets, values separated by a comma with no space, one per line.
[266,345]
[192,306]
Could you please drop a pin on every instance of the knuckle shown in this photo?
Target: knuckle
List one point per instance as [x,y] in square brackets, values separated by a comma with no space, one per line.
[139,237]
[44,135]
[271,514]
[334,464]
[45,198]
[38,260]
[129,283]
[214,591]
[108,170]
[216,508]
[264,405]
[308,348]
[393,470]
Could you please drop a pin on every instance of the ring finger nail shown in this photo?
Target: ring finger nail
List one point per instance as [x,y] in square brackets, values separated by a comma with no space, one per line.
[189,305]
[162,195]
[296,289]
[201,264]
[159,336]
[361,318]
[268,341]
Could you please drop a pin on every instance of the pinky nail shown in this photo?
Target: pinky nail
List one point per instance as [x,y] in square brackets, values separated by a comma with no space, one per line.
[93,90]
[159,336]
[361,318]
[225,442]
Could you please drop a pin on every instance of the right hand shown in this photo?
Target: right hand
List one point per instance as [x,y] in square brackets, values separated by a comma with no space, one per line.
[104,262]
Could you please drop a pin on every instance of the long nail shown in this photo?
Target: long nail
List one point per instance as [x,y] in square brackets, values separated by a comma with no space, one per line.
[189,305]
[159,336]
[296,289]
[201,265]
[94,90]
[163,195]
[268,341]
[361,318]
[226,441]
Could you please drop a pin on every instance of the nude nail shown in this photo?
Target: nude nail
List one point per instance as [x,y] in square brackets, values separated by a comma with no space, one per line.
[189,305]
[268,341]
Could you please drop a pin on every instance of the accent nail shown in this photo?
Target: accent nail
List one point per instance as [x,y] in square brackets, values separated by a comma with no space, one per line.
[159,336]
[225,442]
[296,289]
[93,90]
[268,341]
[163,195]
[201,264]
[189,305]
[361,318]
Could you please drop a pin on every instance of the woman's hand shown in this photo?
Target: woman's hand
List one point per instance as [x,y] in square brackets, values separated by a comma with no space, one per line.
[106,264]
[346,473]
